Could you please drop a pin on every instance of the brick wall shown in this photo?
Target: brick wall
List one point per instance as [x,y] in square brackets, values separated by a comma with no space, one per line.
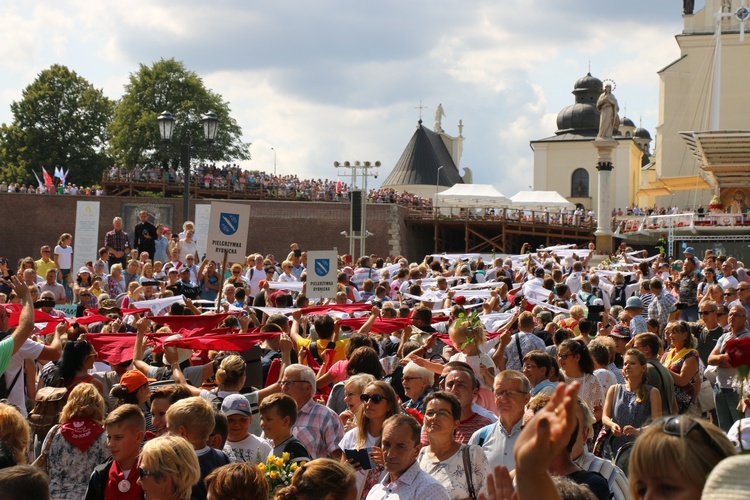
[28,221]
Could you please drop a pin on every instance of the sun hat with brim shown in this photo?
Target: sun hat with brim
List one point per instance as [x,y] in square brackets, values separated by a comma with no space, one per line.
[84,269]
[133,380]
[729,480]
[108,306]
[621,332]
[182,354]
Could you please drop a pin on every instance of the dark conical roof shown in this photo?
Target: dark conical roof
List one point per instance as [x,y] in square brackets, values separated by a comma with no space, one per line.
[419,163]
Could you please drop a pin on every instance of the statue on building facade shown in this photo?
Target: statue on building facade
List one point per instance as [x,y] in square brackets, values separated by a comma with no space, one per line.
[439,114]
[688,6]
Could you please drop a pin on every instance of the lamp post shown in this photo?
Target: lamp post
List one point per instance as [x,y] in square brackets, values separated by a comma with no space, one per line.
[274,161]
[437,184]
[364,167]
[166,128]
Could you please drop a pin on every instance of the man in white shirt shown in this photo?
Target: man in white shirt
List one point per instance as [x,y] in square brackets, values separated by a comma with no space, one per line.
[728,281]
[404,478]
[14,376]
[255,273]
[511,390]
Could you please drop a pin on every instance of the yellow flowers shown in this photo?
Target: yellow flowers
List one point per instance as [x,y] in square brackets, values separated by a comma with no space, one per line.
[278,470]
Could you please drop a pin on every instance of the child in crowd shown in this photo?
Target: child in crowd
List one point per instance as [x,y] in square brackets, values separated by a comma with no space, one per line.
[117,478]
[241,446]
[193,419]
[278,413]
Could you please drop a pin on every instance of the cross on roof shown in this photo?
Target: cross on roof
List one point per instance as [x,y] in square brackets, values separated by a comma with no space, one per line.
[420,108]
[741,15]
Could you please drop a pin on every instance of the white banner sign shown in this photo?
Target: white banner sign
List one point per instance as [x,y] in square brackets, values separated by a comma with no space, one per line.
[86,237]
[202,221]
[227,232]
[322,271]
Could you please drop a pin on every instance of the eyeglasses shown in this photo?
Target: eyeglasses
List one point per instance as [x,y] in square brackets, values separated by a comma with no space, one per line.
[703,313]
[508,393]
[527,366]
[721,314]
[375,398]
[682,426]
[727,294]
[409,379]
[563,356]
[46,251]
[438,414]
[84,295]
[285,383]
[143,473]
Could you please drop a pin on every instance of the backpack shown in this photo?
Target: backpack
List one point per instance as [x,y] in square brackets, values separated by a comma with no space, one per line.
[618,296]
[214,399]
[48,404]
[484,433]
[6,389]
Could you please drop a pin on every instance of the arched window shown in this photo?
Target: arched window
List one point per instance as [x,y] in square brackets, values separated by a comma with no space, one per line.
[579,183]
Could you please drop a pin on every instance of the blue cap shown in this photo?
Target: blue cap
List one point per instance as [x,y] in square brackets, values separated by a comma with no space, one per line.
[690,250]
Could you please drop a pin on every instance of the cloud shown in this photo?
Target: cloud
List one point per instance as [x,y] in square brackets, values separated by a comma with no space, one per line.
[330,80]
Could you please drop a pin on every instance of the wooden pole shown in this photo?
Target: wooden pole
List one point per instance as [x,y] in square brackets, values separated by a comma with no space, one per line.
[221,282]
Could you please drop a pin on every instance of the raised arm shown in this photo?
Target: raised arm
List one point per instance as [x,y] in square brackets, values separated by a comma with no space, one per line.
[26,321]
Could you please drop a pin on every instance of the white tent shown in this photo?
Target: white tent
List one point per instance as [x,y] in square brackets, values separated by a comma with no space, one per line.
[472,196]
[535,200]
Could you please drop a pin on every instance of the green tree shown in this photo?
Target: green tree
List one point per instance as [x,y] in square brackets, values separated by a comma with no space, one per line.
[61,121]
[168,85]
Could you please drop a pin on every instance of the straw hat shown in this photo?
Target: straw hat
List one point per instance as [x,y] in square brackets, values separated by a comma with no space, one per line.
[729,480]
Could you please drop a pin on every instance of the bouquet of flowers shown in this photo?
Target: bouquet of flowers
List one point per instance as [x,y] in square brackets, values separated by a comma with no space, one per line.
[738,351]
[279,470]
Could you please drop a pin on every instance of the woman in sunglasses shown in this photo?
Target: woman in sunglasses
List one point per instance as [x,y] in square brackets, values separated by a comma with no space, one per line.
[379,401]
[168,468]
[682,361]
[445,459]
[672,458]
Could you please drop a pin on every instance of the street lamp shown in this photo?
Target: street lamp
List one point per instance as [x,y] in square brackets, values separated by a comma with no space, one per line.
[274,161]
[365,167]
[437,184]
[166,124]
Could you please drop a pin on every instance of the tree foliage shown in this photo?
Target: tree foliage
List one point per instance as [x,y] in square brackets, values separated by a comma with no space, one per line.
[168,85]
[61,121]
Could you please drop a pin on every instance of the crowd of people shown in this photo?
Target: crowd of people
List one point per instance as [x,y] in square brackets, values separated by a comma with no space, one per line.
[539,375]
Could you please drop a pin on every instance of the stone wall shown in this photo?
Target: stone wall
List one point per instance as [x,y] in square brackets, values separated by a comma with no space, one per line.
[28,221]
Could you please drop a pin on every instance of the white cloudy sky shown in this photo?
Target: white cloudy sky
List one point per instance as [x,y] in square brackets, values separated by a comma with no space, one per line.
[326,80]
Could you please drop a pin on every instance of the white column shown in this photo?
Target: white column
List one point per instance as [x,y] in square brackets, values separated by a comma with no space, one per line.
[604,148]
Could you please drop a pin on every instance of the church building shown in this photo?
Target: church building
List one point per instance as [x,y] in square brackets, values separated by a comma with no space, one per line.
[566,161]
